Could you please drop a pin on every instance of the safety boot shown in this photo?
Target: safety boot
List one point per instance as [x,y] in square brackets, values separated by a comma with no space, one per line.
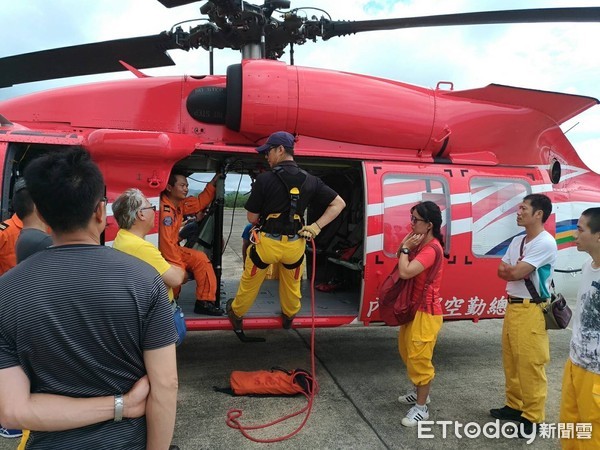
[207,308]
[236,322]
[506,413]
[286,321]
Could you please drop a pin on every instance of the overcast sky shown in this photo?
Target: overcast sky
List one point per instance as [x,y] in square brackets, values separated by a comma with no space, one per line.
[557,57]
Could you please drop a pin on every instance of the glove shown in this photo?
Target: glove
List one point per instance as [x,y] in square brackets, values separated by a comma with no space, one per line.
[310,231]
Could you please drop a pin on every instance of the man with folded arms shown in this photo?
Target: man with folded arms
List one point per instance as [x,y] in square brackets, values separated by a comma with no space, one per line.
[525,346]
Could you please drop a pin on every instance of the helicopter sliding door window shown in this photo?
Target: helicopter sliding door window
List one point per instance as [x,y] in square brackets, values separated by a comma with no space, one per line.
[494,208]
[400,193]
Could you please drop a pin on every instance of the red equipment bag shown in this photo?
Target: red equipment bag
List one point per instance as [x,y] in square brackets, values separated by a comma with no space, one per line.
[395,300]
[276,381]
[396,306]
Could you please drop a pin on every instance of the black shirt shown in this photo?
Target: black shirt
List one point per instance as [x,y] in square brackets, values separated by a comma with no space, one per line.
[270,195]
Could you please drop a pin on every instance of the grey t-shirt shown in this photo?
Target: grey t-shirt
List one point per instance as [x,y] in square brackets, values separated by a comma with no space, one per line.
[77,319]
[30,241]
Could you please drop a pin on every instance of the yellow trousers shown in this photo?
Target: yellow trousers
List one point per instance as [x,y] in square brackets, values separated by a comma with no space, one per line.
[580,403]
[525,353]
[272,251]
[416,341]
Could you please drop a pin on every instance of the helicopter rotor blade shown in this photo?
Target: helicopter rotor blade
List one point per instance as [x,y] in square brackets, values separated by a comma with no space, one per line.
[100,57]
[175,3]
[237,24]
[542,15]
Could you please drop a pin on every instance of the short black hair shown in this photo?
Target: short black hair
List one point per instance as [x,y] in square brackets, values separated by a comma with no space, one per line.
[173,176]
[540,202]
[593,216]
[22,203]
[66,186]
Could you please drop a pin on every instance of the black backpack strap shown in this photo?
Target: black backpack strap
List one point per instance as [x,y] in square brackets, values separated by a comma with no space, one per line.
[293,191]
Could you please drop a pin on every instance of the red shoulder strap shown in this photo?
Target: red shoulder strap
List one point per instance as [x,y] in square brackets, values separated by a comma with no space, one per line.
[436,264]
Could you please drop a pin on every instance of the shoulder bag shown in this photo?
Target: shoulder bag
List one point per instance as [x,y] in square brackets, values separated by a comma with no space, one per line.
[557,313]
[395,294]
[179,320]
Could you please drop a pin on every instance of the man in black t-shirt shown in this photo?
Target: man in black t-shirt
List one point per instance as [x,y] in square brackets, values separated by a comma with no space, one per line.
[277,204]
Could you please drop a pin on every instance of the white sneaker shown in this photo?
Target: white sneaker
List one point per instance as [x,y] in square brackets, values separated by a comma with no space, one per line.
[410,398]
[414,416]
[10,434]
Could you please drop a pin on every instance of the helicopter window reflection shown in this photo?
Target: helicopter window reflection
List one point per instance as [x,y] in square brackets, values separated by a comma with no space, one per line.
[494,206]
[400,193]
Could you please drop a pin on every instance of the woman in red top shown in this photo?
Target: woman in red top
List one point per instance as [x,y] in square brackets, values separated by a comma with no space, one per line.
[416,339]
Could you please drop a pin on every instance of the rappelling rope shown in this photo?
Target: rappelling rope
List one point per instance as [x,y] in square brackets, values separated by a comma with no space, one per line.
[235,414]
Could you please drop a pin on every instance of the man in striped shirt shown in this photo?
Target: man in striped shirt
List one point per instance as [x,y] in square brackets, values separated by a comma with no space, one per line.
[83,320]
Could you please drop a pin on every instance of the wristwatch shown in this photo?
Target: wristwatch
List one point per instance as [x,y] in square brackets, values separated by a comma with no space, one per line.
[119,404]
[404,250]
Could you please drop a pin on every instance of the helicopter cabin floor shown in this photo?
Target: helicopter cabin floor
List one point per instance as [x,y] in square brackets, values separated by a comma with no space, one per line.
[337,303]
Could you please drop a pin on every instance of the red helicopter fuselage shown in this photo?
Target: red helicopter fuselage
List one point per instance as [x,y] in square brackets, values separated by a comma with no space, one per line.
[384,144]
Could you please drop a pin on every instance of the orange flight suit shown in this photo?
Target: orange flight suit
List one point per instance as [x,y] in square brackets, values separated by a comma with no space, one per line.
[170,222]
[9,233]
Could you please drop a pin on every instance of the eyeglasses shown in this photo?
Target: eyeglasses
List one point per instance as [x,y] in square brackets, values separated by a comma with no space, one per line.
[152,207]
[414,220]
[102,200]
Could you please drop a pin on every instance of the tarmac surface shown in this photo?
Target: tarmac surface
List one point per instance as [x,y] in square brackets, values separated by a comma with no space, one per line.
[360,376]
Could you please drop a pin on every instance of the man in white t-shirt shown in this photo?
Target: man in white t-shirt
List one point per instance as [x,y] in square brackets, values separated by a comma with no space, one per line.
[525,346]
[581,379]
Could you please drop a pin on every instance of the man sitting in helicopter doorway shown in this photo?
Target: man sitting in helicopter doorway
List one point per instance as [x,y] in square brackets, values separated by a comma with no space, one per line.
[174,205]
[276,205]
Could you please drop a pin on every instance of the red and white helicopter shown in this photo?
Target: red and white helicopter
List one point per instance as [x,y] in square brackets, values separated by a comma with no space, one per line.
[382,144]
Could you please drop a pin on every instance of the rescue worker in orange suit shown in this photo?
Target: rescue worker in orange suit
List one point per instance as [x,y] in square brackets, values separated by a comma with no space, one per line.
[276,204]
[9,232]
[174,205]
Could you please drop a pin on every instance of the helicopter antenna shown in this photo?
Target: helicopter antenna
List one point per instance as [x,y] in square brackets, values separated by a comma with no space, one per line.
[571,128]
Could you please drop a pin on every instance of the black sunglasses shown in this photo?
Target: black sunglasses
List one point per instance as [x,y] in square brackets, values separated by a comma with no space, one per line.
[414,219]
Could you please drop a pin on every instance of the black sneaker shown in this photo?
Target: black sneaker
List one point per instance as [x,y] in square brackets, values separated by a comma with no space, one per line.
[236,322]
[286,322]
[527,428]
[506,413]
[207,308]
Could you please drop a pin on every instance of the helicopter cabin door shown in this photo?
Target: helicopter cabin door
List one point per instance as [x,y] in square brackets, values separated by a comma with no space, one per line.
[478,207]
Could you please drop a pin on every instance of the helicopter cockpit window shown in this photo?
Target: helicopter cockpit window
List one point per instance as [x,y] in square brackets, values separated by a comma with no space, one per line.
[400,193]
[494,207]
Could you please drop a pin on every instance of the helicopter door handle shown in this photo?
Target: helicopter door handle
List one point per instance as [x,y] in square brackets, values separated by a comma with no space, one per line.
[448,132]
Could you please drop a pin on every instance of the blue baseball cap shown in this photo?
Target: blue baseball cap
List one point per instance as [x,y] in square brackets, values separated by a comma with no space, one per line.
[276,139]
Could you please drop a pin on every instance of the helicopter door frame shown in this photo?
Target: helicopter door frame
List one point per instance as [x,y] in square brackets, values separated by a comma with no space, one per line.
[391,190]
[16,149]
[6,182]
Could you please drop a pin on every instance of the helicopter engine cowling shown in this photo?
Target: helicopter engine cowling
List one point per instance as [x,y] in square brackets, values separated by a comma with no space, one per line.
[265,96]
